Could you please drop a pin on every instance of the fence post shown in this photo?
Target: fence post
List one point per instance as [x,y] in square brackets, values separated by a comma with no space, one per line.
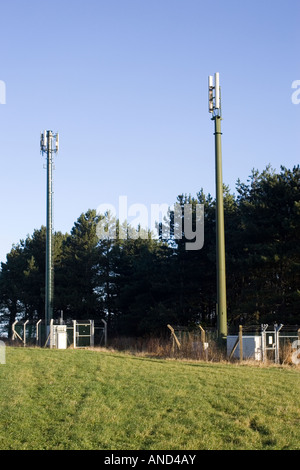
[241,342]
[174,337]
[74,333]
[38,341]
[203,341]
[24,330]
[277,329]
[263,341]
[15,334]
[105,332]
[51,335]
[92,333]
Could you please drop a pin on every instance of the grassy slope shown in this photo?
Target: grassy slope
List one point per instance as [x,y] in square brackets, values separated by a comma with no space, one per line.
[80,399]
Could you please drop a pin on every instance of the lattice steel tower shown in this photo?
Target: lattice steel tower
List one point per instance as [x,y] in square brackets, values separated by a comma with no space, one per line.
[47,147]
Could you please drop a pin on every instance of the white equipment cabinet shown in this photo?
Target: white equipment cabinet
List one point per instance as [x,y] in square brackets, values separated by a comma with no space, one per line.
[59,337]
[252,347]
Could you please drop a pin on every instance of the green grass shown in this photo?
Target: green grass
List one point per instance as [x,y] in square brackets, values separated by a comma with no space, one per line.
[82,399]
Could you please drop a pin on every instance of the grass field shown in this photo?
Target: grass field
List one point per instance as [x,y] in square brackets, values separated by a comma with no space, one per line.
[83,399]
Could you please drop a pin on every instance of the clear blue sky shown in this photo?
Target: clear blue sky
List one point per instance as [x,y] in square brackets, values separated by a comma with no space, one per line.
[124,82]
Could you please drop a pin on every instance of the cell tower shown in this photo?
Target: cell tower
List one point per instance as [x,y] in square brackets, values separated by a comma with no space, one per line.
[214,107]
[48,147]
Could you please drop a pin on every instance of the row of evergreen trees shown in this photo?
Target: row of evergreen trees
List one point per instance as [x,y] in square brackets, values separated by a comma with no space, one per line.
[140,285]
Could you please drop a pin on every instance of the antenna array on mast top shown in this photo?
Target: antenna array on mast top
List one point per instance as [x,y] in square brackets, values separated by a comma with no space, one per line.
[214,95]
[44,141]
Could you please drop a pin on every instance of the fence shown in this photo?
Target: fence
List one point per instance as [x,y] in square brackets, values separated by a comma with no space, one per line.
[273,343]
[75,333]
[194,344]
[260,343]
[277,343]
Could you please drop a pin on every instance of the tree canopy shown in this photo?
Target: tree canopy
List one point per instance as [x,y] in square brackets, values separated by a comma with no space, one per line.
[139,284]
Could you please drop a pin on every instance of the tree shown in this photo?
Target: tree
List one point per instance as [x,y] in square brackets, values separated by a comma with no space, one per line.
[139,284]
[269,208]
[11,286]
[75,276]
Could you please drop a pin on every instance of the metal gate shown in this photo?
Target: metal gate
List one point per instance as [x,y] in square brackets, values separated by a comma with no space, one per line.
[80,333]
[84,332]
[270,341]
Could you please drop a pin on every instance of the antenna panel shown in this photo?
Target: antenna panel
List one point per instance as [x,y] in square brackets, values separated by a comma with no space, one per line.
[45,139]
[217,90]
[210,94]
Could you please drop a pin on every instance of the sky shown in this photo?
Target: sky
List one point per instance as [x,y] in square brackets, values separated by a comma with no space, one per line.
[124,82]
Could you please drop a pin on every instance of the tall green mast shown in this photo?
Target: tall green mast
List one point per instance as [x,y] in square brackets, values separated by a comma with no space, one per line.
[47,147]
[215,109]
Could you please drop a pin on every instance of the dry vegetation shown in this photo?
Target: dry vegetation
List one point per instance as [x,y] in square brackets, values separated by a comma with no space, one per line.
[190,349]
